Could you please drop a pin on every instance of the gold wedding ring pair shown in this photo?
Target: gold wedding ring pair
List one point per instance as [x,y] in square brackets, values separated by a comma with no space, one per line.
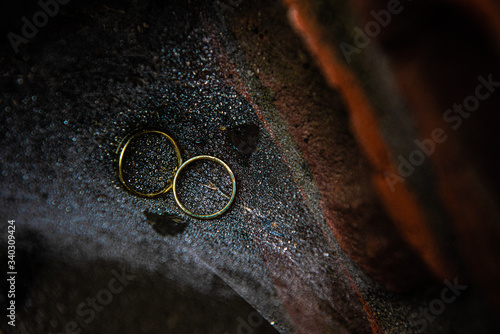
[172,182]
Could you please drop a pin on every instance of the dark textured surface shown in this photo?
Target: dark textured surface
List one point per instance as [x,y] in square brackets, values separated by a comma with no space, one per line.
[60,294]
[93,76]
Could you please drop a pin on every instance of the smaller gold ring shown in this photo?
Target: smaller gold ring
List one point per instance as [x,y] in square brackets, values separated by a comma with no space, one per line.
[228,204]
[121,153]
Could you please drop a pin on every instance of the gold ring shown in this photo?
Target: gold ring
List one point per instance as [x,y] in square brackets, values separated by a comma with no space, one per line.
[121,152]
[228,204]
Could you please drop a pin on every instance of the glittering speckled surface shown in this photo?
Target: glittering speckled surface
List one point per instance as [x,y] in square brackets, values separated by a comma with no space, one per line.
[63,120]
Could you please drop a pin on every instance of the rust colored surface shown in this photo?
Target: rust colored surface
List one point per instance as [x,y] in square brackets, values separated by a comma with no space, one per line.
[401,204]
[436,52]
[299,298]
[318,122]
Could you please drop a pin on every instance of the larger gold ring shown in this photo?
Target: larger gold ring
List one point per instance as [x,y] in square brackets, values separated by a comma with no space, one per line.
[121,153]
[228,204]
